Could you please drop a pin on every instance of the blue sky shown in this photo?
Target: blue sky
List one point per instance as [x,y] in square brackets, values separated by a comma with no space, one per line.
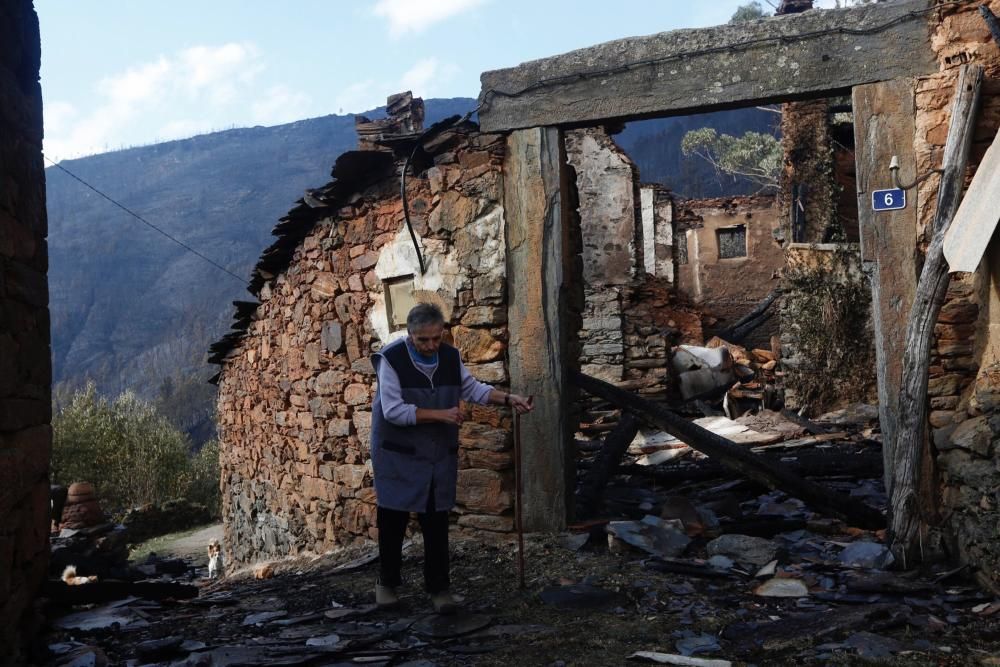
[128,72]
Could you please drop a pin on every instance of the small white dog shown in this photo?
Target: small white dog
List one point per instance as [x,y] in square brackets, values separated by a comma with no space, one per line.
[215,561]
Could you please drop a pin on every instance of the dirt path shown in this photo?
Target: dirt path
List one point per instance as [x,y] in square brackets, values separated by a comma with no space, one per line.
[190,544]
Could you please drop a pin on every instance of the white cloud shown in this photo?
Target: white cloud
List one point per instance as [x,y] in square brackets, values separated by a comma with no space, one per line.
[195,90]
[359,97]
[417,15]
[427,76]
[58,115]
[280,104]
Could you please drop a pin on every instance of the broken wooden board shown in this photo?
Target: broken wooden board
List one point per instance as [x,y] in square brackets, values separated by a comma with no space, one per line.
[648,441]
[973,226]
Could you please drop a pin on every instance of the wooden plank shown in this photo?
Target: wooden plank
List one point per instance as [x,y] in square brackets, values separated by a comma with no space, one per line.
[685,71]
[652,441]
[534,175]
[977,216]
[910,508]
[884,125]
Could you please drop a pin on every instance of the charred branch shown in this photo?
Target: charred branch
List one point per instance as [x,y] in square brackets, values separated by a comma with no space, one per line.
[592,489]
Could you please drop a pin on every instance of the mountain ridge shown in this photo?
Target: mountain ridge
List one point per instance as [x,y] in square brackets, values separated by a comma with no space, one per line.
[131,310]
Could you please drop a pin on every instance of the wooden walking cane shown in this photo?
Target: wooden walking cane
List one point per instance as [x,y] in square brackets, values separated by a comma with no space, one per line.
[518,514]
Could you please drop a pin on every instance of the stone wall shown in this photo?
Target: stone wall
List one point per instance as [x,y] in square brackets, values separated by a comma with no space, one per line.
[25,367]
[809,191]
[725,289]
[964,383]
[606,183]
[295,393]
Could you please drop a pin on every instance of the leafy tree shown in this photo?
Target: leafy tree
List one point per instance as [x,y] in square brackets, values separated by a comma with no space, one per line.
[748,12]
[756,156]
[128,451]
[205,477]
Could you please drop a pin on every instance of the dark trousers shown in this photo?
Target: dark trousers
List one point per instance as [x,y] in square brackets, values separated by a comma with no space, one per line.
[392,530]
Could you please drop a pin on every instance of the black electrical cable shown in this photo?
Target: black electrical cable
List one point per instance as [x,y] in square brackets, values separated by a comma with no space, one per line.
[402,179]
[143,220]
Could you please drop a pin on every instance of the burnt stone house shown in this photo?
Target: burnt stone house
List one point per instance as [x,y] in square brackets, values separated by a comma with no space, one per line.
[547,253]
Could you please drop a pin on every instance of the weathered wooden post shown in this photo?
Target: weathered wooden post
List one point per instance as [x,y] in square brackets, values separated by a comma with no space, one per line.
[907,507]
[884,125]
[534,178]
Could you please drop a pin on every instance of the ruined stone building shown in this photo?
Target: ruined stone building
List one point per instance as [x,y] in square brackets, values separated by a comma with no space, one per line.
[547,252]
[25,369]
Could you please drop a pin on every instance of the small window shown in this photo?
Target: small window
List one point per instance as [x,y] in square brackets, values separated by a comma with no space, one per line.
[681,246]
[732,241]
[398,301]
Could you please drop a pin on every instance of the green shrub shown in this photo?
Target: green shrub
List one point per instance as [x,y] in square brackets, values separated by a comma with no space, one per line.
[204,485]
[131,453]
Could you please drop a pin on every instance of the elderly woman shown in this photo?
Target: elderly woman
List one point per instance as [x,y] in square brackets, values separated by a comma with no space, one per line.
[414,442]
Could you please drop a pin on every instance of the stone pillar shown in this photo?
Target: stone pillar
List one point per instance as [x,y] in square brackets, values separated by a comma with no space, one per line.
[535,176]
[25,366]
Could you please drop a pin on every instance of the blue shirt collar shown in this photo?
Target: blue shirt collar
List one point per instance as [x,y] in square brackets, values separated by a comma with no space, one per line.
[426,360]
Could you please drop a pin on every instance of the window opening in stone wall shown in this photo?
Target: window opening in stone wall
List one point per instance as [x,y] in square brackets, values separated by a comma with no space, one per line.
[732,241]
[398,301]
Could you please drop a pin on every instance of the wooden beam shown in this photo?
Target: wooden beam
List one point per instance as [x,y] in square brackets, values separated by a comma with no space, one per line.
[534,176]
[885,125]
[814,54]
[605,464]
[909,513]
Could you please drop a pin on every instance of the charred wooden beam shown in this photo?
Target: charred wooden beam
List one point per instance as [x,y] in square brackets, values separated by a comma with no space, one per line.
[740,459]
[751,321]
[588,500]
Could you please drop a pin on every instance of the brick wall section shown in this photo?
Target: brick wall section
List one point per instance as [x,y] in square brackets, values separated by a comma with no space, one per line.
[295,395]
[25,372]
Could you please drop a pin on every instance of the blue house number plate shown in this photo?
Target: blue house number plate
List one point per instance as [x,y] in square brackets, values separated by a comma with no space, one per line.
[888,200]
